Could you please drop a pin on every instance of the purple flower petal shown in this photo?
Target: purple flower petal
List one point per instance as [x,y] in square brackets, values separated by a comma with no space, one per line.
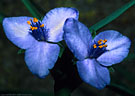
[118,46]
[93,73]
[54,21]
[77,37]
[41,57]
[16,29]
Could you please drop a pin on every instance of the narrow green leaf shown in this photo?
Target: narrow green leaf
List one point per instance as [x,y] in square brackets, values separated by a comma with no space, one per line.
[113,16]
[62,45]
[93,33]
[1,18]
[61,52]
[124,91]
[130,56]
[32,9]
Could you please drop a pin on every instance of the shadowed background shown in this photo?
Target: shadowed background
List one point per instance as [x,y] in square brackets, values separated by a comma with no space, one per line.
[14,74]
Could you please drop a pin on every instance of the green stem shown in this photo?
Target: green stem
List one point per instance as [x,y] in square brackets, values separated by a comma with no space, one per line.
[32,9]
[113,16]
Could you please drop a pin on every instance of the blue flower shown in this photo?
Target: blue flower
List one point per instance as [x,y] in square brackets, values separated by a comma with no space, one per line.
[31,34]
[94,56]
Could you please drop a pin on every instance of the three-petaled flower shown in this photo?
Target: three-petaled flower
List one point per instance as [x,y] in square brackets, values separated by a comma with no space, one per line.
[94,56]
[31,34]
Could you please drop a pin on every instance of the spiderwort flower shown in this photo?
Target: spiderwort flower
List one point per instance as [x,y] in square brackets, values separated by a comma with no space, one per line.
[94,56]
[31,34]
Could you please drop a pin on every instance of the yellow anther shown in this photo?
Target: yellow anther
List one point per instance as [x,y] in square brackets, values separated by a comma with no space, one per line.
[100,40]
[35,20]
[94,46]
[99,43]
[42,25]
[30,27]
[100,46]
[105,45]
[104,41]
[33,28]
[29,22]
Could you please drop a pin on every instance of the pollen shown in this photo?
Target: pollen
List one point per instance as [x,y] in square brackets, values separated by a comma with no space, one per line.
[29,22]
[94,46]
[100,46]
[35,20]
[42,25]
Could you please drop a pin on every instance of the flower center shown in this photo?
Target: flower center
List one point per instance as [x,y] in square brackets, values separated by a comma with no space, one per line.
[37,30]
[98,48]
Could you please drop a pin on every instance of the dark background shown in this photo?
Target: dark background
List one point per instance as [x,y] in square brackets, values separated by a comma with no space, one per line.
[14,74]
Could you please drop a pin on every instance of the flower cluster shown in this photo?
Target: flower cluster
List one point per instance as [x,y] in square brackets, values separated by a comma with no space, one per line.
[94,56]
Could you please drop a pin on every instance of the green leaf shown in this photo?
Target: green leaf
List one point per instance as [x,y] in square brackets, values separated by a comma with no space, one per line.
[124,91]
[20,51]
[125,73]
[1,18]
[62,45]
[93,33]
[32,9]
[61,52]
[74,60]
[130,56]
[112,17]
[111,69]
